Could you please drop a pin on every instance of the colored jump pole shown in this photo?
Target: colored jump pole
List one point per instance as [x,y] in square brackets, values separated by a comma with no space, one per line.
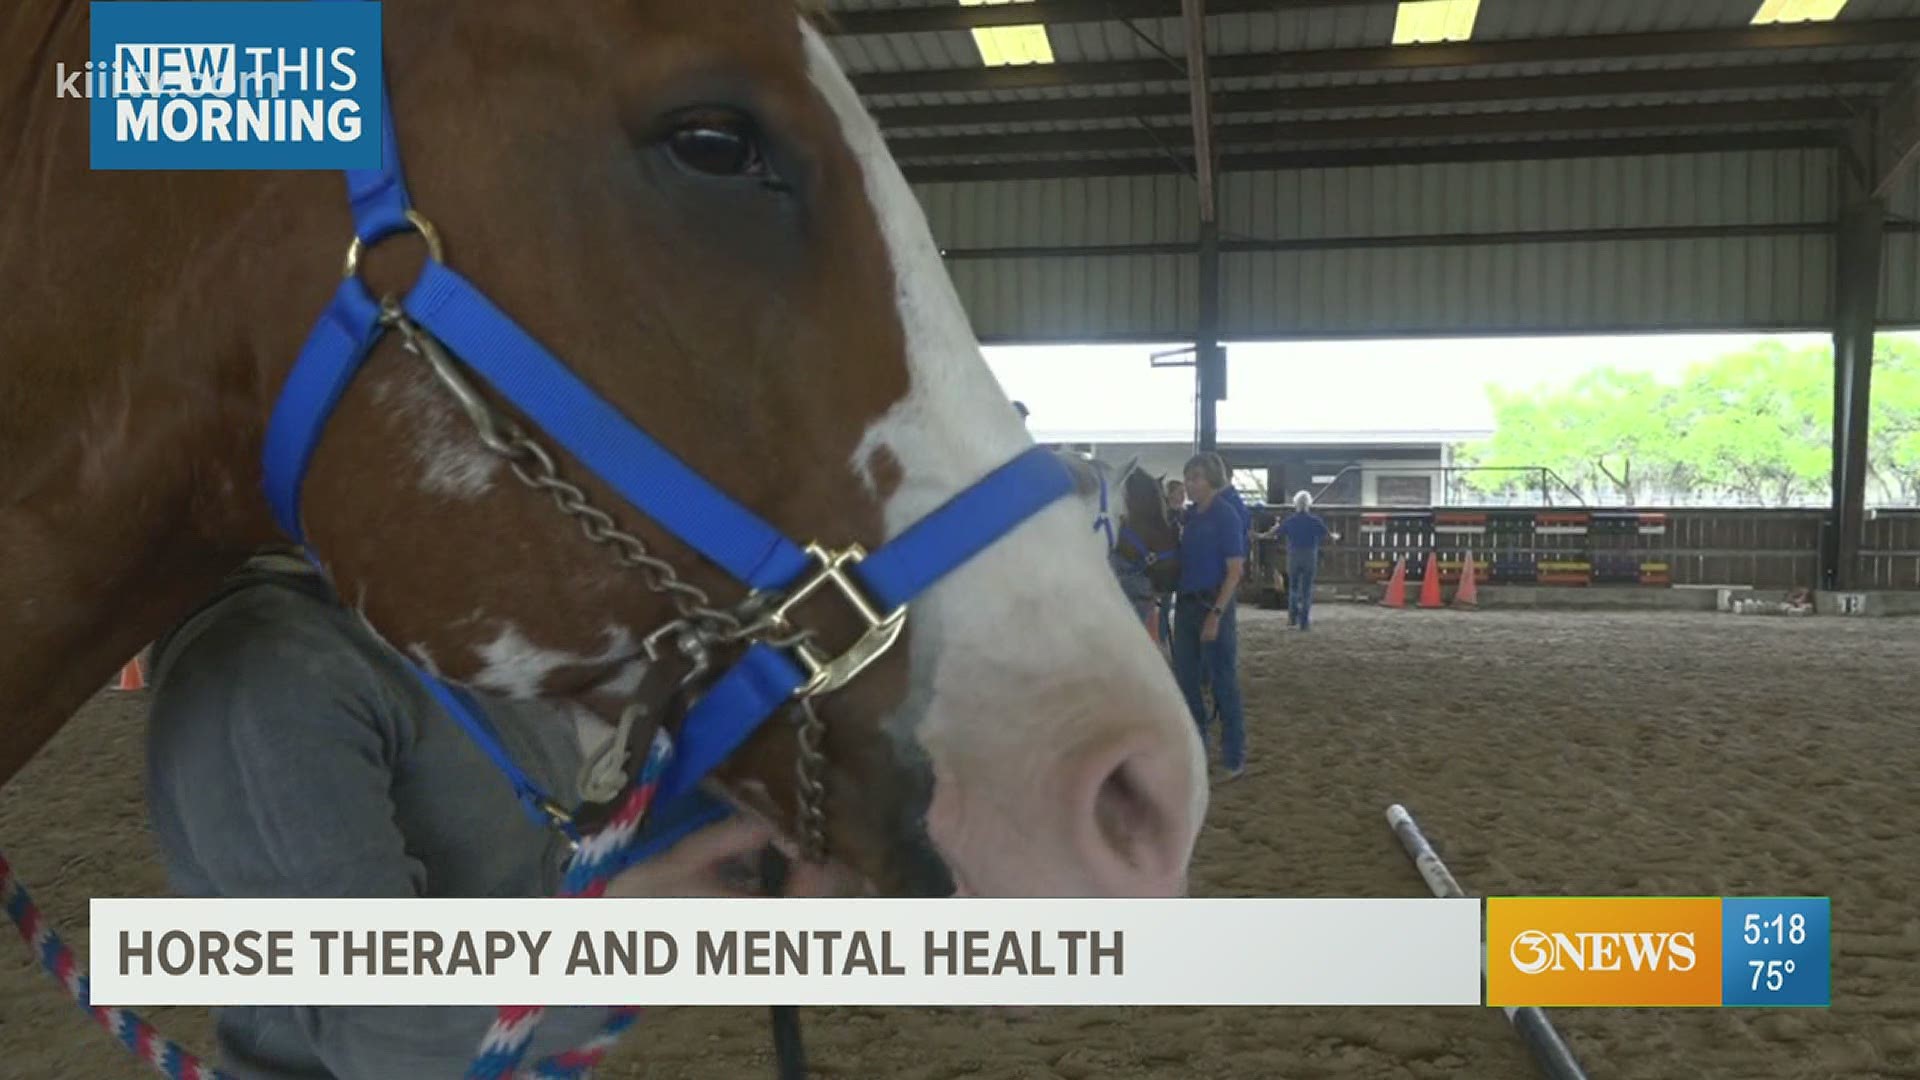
[1549,1050]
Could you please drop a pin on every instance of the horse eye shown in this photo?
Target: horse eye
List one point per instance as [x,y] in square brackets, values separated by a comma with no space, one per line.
[723,146]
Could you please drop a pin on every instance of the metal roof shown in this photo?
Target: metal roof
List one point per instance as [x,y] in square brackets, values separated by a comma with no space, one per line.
[1296,83]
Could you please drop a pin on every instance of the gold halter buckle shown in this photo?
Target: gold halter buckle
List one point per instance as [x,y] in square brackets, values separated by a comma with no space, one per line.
[829,673]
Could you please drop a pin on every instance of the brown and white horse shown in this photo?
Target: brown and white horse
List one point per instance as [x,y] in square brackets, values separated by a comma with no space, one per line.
[1144,543]
[687,203]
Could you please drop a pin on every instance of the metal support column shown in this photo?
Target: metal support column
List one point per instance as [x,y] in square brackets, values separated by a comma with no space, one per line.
[1858,260]
[1210,360]
[1857,305]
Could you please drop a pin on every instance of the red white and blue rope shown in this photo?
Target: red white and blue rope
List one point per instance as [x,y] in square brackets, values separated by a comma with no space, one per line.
[138,1036]
[595,864]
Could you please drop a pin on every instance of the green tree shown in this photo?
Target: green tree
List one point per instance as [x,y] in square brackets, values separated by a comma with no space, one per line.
[1757,423]
[1754,425]
[1893,439]
[1606,432]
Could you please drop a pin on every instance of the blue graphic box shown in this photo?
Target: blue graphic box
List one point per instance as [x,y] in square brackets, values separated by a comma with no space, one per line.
[235,85]
[1776,951]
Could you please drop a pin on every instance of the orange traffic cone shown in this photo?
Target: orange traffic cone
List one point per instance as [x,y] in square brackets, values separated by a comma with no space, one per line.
[1396,596]
[1467,595]
[133,676]
[1430,587]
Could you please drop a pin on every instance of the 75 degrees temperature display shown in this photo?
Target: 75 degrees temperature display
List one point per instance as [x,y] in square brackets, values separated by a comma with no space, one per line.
[1778,951]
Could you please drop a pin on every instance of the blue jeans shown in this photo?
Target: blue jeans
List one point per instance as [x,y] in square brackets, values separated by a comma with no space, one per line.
[1300,577]
[1196,662]
[1166,620]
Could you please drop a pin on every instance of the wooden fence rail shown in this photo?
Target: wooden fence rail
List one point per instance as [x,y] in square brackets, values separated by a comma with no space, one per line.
[1603,547]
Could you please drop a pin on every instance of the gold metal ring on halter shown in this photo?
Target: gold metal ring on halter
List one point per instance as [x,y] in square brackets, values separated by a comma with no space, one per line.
[420,225]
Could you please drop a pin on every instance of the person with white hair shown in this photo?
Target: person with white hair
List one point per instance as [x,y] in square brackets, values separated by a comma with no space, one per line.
[1304,532]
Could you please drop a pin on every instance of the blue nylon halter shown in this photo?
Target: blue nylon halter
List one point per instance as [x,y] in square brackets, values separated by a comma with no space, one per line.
[1103,521]
[644,473]
[1145,557]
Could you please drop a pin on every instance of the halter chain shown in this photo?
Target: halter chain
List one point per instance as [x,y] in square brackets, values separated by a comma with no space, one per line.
[700,629]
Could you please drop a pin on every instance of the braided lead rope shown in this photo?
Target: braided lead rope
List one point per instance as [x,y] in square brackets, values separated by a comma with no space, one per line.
[595,863]
[594,866]
[138,1036]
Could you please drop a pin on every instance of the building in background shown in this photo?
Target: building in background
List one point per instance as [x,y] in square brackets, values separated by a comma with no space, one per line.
[1354,426]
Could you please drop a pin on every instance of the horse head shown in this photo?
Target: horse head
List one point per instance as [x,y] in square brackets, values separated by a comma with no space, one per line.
[687,204]
[1152,528]
[1142,534]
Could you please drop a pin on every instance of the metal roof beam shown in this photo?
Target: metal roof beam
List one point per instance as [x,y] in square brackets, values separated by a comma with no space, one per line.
[1446,153]
[1628,234]
[1455,125]
[950,16]
[1881,32]
[1387,95]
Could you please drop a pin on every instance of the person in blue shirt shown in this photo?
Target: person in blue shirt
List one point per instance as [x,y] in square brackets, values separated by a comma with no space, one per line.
[1232,495]
[1213,556]
[1304,532]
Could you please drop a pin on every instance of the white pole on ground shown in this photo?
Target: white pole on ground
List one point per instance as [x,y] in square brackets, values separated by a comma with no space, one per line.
[1549,1050]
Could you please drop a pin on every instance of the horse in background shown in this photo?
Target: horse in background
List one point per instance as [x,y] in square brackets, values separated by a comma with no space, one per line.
[1143,543]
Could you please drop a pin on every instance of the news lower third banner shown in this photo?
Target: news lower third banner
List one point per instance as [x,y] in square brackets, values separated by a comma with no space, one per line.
[1537,951]
[786,952]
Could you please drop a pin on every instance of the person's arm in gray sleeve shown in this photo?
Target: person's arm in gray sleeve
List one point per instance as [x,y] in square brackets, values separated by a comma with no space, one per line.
[272,747]
[272,742]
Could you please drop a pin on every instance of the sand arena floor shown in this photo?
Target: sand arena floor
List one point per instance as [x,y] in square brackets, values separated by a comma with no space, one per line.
[1581,753]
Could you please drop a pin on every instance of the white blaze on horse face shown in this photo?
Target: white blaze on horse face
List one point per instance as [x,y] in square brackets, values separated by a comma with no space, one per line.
[1065,760]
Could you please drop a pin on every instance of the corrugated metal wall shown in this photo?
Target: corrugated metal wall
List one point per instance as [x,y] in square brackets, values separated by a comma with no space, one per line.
[1147,297]
[1071,298]
[1338,280]
[1531,286]
[1900,299]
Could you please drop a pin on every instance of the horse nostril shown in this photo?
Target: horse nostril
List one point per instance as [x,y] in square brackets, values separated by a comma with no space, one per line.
[1123,813]
[1139,822]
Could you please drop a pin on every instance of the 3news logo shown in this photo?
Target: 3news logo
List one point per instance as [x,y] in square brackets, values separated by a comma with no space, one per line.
[1657,951]
[1567,951]
[1535,951]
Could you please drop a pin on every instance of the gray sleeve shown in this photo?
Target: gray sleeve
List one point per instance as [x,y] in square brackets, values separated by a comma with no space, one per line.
[272,745]
[271,748]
